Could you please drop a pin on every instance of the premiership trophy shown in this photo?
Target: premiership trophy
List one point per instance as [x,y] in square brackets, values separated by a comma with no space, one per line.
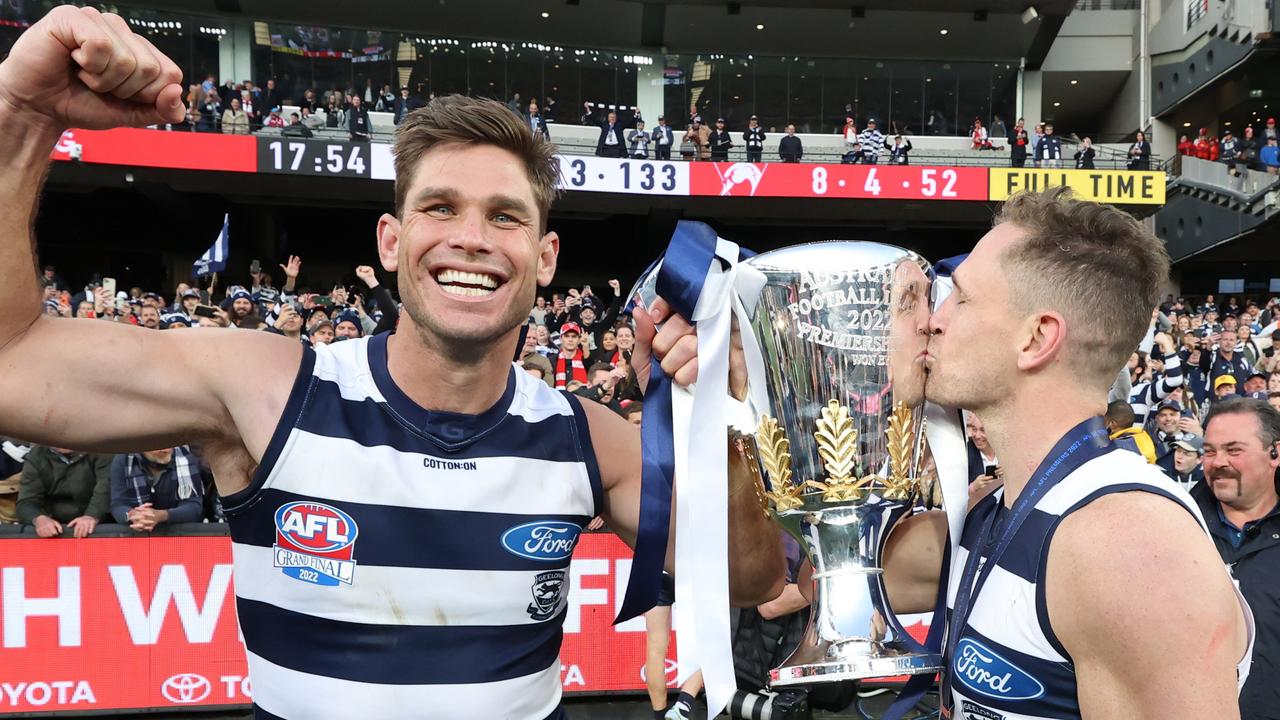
[840,452]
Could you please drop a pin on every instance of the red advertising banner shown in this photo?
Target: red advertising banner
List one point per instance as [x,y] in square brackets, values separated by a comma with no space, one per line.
[869,182]
[124,623]
[152,148]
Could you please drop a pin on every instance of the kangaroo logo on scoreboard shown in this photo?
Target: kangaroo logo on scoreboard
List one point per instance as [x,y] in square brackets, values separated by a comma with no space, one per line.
[315,543]
[548,588]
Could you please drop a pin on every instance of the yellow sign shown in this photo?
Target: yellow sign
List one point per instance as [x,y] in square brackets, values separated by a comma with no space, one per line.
[1121,187]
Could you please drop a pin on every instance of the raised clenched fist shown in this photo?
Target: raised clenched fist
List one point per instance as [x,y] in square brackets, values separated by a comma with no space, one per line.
[78,67]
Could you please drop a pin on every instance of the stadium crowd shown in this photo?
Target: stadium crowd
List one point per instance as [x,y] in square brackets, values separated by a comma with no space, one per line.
[245,107]
[1252,150]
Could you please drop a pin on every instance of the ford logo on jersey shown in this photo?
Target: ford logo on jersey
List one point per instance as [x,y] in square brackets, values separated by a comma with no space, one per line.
[986,673]
[315,543]
[542,540]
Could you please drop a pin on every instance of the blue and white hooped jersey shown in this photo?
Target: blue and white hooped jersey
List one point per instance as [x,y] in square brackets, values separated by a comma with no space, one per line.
[1008,664]
[392,562]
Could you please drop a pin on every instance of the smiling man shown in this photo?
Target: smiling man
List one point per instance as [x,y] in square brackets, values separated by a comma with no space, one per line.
[402,507]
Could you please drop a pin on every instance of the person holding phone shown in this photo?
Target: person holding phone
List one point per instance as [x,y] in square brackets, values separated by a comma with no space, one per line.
[985,474]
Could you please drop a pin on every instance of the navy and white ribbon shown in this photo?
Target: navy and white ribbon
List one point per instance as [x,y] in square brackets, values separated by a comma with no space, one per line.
[684,438]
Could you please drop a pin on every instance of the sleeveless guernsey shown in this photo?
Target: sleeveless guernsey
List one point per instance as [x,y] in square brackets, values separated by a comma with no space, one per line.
[1008,664]
[392,562]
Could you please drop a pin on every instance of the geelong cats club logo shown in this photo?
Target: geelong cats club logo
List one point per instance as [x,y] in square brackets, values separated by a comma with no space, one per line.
[548,588]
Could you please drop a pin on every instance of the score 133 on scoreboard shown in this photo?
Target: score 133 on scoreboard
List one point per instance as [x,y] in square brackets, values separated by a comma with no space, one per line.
[620,175]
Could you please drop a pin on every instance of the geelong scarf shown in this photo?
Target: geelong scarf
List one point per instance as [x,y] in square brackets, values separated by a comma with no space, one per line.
[138,480]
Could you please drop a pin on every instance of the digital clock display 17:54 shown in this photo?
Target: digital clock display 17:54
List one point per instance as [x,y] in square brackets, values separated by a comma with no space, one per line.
[313,157]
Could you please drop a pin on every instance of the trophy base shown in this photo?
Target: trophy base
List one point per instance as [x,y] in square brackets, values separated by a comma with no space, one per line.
[859,668]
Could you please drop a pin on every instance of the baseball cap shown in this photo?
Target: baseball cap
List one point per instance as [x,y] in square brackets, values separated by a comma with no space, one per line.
[1223,380]
[1169,404]
[719,120]
[151,296]
[1257,373]
[871,121]
[697,118]
[570,327]
[1191,443]
[191,293]
[1271,121]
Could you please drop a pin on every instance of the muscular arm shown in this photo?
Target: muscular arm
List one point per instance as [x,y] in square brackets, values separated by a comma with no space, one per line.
[756,564]
[60,378]
[1138,597]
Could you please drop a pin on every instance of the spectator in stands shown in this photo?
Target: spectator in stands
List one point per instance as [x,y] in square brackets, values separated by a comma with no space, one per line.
[611,142]
[149,317]
[321,333]
[1120,424]
[309,101]
[296,126]
[1171,425]
[234,119]
[855,156]
[720,141]
[979,140]
[12,454]
[1224,387]
[638,142]
[244,313]
[210,113]
[1084,155]
[998,129]
[333,113]
[401,107]
[536,122]
[697,141]
[1186,147]
[270,95]
[1206,146]
[1049,149]
[985,474]
[1139,153]
[251,109]
[1223,359]
[359,127]
[288,322]
[1185,468]
[1241,508]
[1247,150]
[663,139]
[156,487]
[62,487]
[1018,143]
[937,123]
[1036,137]
[515,104]
[1229,152]
[602,382]
[850,133]
[386,99]
[899,150]
[274,120]
[790,149]
[872,141]
[754,138]
[1270,156]
[570,363]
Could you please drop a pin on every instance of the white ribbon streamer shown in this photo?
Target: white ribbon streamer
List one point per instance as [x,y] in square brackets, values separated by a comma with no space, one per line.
[702,415]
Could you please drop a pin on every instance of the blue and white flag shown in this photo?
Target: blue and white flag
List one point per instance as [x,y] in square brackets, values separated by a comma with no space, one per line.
[215,258]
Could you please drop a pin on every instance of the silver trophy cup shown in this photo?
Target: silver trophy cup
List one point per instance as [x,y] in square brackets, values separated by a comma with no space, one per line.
[840,451]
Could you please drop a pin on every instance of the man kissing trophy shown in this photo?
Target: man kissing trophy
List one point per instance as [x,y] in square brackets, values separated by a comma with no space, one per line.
[833,429]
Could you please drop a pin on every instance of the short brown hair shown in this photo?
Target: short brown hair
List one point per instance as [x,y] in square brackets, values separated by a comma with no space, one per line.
[474,121]
[1095,264]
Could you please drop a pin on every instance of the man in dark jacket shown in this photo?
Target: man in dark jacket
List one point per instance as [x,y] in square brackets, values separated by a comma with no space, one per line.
[155,487]
[720,142]
[662,140]
[611,143]
[1239,504]
[358,126]
[754,137]
[790,149]
[61,487]
[402,105]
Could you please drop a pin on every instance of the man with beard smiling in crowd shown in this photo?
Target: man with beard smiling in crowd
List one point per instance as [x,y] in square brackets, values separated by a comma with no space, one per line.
[244,314]
[1240,503]
[149,317]
[471,455]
